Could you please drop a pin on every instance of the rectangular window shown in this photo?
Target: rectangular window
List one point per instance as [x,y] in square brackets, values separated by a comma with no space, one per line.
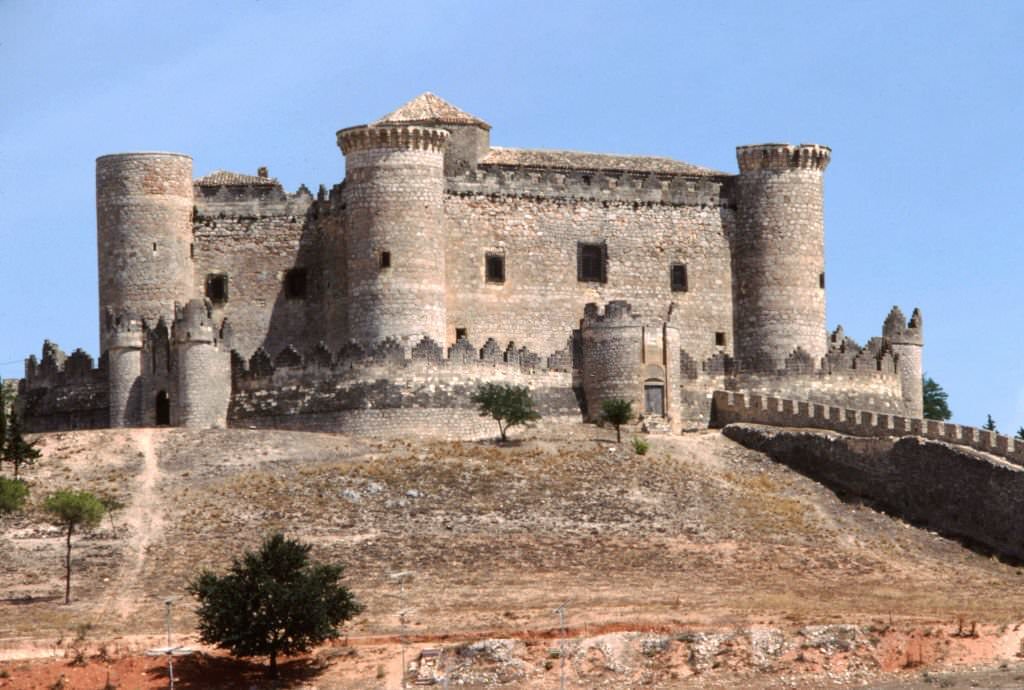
[678,278]
[591,261]
[460,333]
[295,283]
[385,259]
[494,268]
[720,339]
[821,280]
[217,287]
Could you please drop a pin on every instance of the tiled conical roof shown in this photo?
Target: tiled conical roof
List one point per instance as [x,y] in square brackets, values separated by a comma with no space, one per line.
[428,109]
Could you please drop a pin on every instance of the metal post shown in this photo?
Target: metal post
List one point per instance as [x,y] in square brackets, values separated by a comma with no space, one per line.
[561,644]
[170,656]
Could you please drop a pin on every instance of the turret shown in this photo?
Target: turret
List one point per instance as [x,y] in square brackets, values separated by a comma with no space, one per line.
[202,368]
[778,254]
[906,338]
[633,358]
[395,235]
[144,231]
[123,337]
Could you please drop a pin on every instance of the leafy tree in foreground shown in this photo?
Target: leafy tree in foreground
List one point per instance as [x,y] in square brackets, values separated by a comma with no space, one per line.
[936,404]
[617,412]
[272,602]
[17,450]
[509,405]
[71,509]
[990,424]
[13,493]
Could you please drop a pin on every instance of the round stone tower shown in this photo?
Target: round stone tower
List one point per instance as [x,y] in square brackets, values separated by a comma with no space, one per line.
[906,338]
[123,340]
[203,369]
[144,231]
[394,231]
[778,254]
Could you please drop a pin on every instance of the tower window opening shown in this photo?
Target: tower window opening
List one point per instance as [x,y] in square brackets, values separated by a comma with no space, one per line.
[217,287]
[460,333]
[192,250]
[163,409]
[720,339]
[494,268]
[385,259]
[678,278]
[591,262]
[821,280]
[295,283]
[154,247]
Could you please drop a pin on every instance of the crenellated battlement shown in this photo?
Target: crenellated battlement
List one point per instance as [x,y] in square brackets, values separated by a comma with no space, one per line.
[369,137]
[783,157]
[604,186]
[898,330]
[729,408]
[213,202]
[57,369]
[193,322]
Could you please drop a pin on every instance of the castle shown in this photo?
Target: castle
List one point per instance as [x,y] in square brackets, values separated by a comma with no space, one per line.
[441,262]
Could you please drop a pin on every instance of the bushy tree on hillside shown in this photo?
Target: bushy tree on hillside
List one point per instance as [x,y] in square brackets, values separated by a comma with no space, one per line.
[71,510]
[13,493]
[272,602]
[617,412]
[990,424]
[1020,434]
[508,405]
[936,404]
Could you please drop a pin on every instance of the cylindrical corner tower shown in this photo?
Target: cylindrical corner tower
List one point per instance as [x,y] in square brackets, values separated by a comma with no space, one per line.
[394,224]
[144,233]
[202,390]
[907,342]
[778,254]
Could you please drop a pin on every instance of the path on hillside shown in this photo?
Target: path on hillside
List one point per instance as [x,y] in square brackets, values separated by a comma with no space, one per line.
[142,522]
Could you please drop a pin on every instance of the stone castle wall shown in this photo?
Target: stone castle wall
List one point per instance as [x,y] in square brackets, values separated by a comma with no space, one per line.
[63,392]
[255,237]
[541,299]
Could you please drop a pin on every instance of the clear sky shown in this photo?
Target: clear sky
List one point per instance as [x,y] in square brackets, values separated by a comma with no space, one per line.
[921,103]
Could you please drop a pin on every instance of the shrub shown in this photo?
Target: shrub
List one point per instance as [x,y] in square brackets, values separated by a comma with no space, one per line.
[508,405]
[640,446]
[617,412]
[13,493]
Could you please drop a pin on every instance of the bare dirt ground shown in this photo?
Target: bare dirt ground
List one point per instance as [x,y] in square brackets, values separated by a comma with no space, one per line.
[701,564]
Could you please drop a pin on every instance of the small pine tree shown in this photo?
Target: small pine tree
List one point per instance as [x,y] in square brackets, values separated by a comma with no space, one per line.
[13,493]
[508,405]
[71,509]
[17,450]
[1020,434]
[272,602]
[617,412]
[990,424]
[935,400]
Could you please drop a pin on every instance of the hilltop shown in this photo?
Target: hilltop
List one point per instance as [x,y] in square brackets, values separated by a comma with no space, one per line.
[697,537]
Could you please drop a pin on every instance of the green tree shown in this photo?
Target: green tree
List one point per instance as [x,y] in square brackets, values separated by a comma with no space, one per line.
[70,510]
[17,450]
[936,405]
[272,602]
[13,493]
[990,424]
[617,412]
[508,405]
[1020,434]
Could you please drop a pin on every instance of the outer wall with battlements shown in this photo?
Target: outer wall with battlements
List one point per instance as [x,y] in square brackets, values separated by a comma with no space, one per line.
[441,262]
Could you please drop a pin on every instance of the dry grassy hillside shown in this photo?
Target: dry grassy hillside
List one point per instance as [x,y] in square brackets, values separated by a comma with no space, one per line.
[698,532]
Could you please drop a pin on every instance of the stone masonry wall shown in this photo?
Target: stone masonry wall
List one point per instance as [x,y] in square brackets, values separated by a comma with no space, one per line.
[255,245]
[63,392]
[541,301]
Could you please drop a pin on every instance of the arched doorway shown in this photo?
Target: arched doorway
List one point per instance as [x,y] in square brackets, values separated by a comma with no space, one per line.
[163,409]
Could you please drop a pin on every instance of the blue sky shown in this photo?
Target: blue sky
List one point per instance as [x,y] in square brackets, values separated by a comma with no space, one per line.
[921,102]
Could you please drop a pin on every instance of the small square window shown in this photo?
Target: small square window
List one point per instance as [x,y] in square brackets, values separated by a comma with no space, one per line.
[385,259]
[217,287]
[460,333]
[494,265]
[295,283]
[678,278]
[591,260]
[720,339]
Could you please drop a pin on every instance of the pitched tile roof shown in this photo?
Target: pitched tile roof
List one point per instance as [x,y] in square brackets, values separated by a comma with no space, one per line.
[578,160]
[428,109]
[226,178]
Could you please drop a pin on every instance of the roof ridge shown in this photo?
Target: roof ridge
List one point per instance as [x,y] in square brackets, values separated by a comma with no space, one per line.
[429,108]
